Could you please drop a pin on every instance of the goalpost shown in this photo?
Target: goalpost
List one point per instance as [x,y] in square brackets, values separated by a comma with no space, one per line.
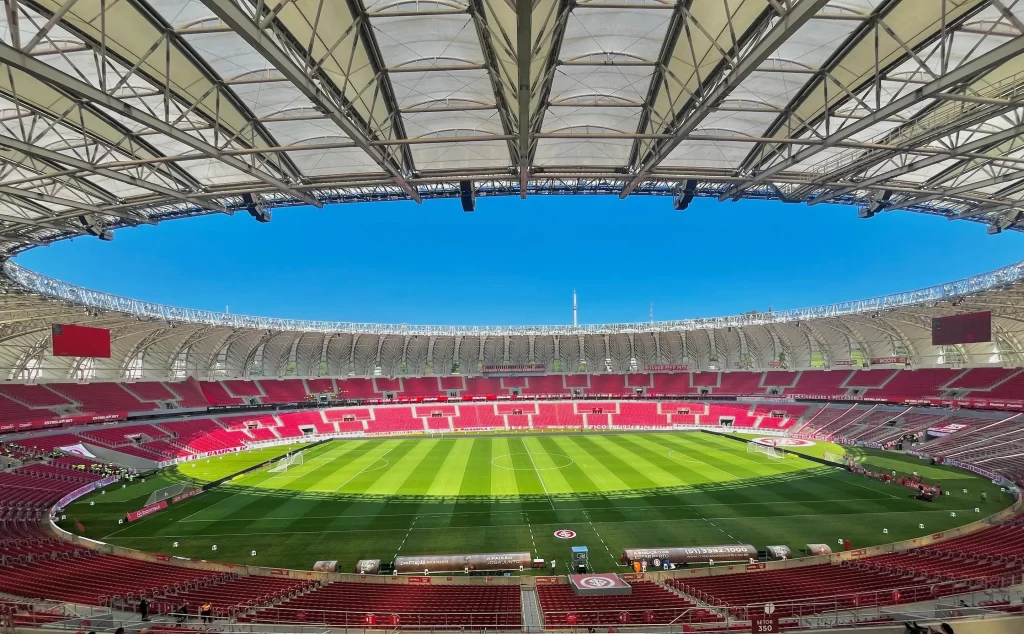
[772,452]
[290,459]
[168,492]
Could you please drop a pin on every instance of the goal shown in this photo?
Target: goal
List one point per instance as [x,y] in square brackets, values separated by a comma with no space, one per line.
[289,460]
[768,450]
[167,492]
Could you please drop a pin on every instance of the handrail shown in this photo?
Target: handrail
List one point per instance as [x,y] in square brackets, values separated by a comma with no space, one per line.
[51,287]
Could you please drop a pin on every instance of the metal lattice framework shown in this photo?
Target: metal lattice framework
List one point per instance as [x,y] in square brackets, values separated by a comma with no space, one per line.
[114,114]
[156,342]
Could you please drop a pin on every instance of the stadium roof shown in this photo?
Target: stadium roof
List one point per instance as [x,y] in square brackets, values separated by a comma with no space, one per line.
[152,341]
[119,113]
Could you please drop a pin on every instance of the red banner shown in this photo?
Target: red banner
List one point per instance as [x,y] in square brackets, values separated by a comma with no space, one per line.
[845,362]
[547,581]
[661,367]
[776,364]
[419,579]
[70,340]
[146,511]
[56,422]
[181,497]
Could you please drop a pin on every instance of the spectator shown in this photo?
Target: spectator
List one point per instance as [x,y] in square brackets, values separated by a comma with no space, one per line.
[144,609]
[183,612]
[206,611]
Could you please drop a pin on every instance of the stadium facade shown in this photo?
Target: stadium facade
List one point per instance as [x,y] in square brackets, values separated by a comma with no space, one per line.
[155,342]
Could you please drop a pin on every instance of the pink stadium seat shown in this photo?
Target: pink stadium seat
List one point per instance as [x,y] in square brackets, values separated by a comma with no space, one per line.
[821,383]
[216,394]
[780,378]
[35,395]
[11,411]
[356,388]
[981,378]
[552,384]
[284,391]
[190,393]
[670,384]
[394,419]
[741,383]
[243,388]
[869,378]
[649,603]
[916,383]
[483,386]
[427,387]
[150,391]
[103,398]
[320,386]
[418,607]
[292,421]
[705,379]
[608,384]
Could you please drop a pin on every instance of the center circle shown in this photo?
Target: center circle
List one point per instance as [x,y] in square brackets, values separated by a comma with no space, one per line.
[505,461]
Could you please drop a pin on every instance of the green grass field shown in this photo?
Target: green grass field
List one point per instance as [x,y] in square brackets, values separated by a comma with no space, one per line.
[375,498]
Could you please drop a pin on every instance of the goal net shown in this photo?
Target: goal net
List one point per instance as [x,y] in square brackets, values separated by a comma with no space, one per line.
[289,460]
[767,450]
[168,492]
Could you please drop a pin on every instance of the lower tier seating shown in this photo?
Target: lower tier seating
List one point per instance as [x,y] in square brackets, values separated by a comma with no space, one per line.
[359,604]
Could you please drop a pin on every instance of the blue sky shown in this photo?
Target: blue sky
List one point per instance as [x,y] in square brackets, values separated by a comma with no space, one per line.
[517,261]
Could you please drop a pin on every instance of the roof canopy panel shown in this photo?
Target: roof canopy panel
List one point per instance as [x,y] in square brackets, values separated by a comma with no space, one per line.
[114,114]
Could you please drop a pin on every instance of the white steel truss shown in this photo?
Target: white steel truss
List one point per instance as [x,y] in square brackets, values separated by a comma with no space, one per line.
[115,114]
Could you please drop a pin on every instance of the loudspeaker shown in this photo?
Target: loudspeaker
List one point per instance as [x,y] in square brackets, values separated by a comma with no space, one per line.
[468,195]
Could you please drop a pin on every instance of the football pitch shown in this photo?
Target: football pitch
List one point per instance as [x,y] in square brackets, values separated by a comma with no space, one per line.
[382,497]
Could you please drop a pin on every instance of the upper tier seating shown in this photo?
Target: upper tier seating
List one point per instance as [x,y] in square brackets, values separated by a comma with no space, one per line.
[320,386]
[820,383]
[216,394]
[673,384]
[151,391]
[981,378]
[740,383]
[12,411]
[190,393]
[283,391]
[103,398]
[916,383]
[35,395]
[243,388]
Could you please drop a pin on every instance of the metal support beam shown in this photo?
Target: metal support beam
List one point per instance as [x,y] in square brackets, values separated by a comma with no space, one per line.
[17,59]
[968,71]
[57,157]
[788,24]
[246,27]
[973,146]
[524,58]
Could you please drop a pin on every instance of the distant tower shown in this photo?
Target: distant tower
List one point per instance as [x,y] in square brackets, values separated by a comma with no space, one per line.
[574,308]
[652,312]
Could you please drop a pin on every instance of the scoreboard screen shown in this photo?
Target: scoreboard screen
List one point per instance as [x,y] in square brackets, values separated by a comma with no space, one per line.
[969,328]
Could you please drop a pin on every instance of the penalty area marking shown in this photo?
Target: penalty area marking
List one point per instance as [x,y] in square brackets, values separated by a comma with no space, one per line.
[534,467]
[681,457]
[387,463]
